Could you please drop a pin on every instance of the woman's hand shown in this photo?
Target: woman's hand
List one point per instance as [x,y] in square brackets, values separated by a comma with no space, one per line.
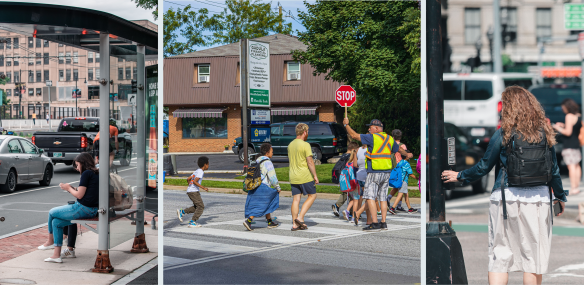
[449,176]
[65,186]
[561,204]
[558,126]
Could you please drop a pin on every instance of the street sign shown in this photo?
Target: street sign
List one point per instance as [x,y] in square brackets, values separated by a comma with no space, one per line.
[258,70]
[574,16]
[49,83]
[260,135]
[345,96]
[260,117]
[132,99]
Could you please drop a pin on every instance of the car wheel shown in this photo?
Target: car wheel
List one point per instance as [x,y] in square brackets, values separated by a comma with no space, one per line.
[125,161]
[46,177]
[480,186]
[316,154]
[10,185]
[241,153]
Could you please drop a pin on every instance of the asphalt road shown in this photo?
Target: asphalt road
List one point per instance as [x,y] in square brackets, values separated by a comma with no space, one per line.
[331,251]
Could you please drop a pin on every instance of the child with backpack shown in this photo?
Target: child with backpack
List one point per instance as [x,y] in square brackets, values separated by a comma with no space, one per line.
[193,192]
[397,136]
[406,172]
[348,157]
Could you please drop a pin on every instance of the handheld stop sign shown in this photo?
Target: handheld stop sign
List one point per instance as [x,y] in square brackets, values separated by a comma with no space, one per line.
[346,96]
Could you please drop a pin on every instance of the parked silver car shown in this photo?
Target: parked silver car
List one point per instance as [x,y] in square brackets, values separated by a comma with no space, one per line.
[22,162]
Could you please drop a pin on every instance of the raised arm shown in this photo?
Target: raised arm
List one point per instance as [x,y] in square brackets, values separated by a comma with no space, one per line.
[352,134]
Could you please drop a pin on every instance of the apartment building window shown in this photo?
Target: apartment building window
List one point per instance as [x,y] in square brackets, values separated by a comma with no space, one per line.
[135,71]
[16,59]
[38,43]
[30,91]
[509,17]
[96,57]
[93,92]
[8,77]
[543,23]
[30,76]
[16,43]
[89,57]
[38,91]
[61,75]
[75,57]
[120,59]
[120,73]
[472,25]
[75,74]
[39,77]
[8,92]
[61,58]
[16,77]
[68,75]
[8,43]
[292,70]
[31,59]
[97,70]
[60,44]
[90,74]
[128,73]
[68,58]
[46,58]
[1,60]
[38,58]
[203,72]
[8,61]
[45,43]
[1,45]
[30,42]
[46,75]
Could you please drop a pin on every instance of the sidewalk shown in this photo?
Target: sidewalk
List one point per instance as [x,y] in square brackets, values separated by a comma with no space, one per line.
[21,262]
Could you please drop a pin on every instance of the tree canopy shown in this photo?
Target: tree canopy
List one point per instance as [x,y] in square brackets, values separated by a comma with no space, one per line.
[148,4]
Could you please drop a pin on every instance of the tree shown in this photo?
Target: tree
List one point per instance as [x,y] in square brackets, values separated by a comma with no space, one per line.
[372,46]
[148,4]
[240,19]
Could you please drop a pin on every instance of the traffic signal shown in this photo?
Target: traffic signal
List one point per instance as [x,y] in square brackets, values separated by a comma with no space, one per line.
[134,86]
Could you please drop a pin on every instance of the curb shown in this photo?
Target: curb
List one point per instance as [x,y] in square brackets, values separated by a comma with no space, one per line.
[212,171]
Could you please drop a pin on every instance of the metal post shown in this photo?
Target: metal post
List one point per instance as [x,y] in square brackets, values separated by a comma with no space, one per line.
[582,101]
[244,89]
[50,125]
[76,110]
[445,264]
[140,239]
[102,263]
[498,68]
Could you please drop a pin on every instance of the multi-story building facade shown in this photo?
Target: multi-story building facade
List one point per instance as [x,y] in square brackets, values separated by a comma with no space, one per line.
[32,62]
[466,22]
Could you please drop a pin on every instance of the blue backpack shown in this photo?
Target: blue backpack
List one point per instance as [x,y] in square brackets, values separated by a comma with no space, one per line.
[347,179]
[395,178]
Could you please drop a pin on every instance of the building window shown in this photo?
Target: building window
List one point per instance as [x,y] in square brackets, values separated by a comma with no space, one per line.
[8,62]
[45,43]
[38,58]
[16,77]
[204,72]
[68,58]
[1,45]
[8,43]
[30,76]
[292,70]
[8,92]
[30,42]
[60,44]
[90,74]
[16,59]
[30,91]
[61,58]
[8,77]
[1,60]
[46,58]
[128,73]
[38,43]
[39,77]
[135,71]
[39,91]
[46,74]
[97,57]
[204,127]
[97,70]
[120,59]
[543,22]
[16,43]
[68,75]
[75,74]
[93,92]
[89,57]
[75,57]
[472,25]
[120,73]
[30,59]
[509,18]
[61,75]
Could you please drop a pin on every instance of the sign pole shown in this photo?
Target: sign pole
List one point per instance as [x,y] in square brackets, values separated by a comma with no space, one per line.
[346,110]
[244,89]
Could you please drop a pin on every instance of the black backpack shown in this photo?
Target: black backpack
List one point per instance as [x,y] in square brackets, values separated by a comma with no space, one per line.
[336,175]
[527,164]
[253,180]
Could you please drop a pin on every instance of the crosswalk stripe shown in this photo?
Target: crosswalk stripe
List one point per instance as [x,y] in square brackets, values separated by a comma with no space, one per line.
[205,245]
[335,221]
[240,235]
[170,261]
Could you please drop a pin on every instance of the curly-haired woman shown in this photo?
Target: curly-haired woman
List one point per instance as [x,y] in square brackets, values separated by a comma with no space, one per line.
[520,242]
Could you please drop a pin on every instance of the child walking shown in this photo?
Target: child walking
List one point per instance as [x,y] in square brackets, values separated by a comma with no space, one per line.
[403,191]
[397,136]
[193,192]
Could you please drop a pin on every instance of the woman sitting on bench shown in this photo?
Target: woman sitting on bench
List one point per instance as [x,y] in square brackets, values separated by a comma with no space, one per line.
[87,195]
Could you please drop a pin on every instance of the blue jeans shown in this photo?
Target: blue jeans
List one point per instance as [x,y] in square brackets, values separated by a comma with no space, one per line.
[60,217]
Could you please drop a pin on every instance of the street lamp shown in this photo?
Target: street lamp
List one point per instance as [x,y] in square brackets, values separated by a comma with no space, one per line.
[77,93]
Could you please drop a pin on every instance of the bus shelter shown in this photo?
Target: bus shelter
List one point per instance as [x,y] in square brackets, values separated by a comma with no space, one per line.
[110,36]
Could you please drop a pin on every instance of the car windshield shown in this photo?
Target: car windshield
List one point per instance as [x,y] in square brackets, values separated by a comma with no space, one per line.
[548,95]
[77,125]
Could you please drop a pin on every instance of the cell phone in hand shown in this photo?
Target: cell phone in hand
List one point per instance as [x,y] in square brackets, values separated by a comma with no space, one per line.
[557,208]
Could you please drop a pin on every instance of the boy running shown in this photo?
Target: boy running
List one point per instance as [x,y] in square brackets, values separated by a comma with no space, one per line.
[193,192]
[403,191]
[343,197]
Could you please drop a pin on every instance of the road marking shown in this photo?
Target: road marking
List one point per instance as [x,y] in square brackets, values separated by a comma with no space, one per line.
[460,211]
[137,273]
[170,261]
[282,246]
[205,245]
[246,235]
[482,200]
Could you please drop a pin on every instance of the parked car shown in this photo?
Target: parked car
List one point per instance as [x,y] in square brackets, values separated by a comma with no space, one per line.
[467,155]
[74,136]
[550,96]
[22,162]
[326,139]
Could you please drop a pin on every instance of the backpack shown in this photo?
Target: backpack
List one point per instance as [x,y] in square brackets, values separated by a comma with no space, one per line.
[339,166]
[120,197]
[347,179]
[253,180]
[396,157]
[395,178]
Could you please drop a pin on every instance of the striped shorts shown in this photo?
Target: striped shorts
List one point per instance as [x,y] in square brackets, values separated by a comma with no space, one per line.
[376,186]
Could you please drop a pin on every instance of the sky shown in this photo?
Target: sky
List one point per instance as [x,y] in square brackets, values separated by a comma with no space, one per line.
[217,7]
[125,9]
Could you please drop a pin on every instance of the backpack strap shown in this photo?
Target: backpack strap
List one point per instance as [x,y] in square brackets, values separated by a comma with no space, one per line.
[503,190]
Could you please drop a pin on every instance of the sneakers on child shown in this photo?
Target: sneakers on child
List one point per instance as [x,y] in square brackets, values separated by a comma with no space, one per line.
[412,210]
[273,224]
[66,252]
[193,224]
[391,210]
[247,224]
[335,209]
[346,215]
[400,209]
[180,213]
[373,227]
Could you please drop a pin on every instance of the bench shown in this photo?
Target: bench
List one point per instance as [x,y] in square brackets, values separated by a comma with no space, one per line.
[95,220]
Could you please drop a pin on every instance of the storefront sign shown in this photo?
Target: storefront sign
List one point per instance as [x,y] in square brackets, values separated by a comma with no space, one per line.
[258,70]
[260,117]
[260,135]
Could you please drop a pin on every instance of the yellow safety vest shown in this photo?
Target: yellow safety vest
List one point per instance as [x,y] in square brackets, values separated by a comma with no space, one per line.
[380,156]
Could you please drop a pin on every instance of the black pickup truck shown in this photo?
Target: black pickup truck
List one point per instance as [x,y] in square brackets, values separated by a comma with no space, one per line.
[74,136]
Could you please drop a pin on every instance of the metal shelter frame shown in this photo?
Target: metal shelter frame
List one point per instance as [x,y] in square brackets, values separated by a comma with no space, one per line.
[107,35]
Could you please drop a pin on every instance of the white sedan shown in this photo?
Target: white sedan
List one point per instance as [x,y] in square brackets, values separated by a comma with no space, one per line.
[22,162]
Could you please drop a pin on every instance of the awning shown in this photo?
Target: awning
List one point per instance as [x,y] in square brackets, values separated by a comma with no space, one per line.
[294,110]
[198,113]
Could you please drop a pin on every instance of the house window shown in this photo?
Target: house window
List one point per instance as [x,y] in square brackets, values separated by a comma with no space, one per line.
[38,43]
[68,58]
[135,71]
[46,58]
[61,58]
[472,25]
[75,57]
[8,77]
[61,75]
[30,42]
[293,70]
[39,91]
[120,73]
[89,57]
[204,127]
[45,43]
[128,73]
[75,74]
[203,71]
[68,75]
[97,57]
[46,74]
[90,74]
[39,77]
[8,43]
[543,23]
[38,58]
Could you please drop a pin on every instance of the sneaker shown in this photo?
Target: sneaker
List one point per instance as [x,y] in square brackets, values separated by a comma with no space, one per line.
[247,225]
[391,210]
[273,224]
[352,220]
[179,213]
[400,209]
[356,221]
[66,252]
[55,260]
[383,226]
[379,213]
[373,227]
[412,210]
[43,247]
[193,224]
[335,210]
[346,215]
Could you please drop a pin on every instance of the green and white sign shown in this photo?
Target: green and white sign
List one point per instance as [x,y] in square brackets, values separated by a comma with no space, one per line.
[258,70]
[574,16]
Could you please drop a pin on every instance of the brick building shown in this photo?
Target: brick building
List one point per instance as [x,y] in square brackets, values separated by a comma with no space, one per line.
[202,91]
[33,61]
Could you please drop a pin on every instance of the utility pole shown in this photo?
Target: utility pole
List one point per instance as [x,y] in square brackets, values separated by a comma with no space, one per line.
[280,12]
[497,65]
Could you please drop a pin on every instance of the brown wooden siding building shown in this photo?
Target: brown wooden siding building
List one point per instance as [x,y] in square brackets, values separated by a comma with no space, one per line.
[199,83]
